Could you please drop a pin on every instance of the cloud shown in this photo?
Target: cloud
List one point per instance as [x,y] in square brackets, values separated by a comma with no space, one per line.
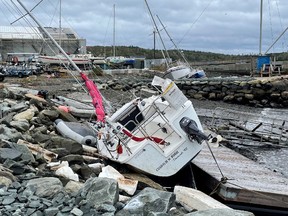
[225,26]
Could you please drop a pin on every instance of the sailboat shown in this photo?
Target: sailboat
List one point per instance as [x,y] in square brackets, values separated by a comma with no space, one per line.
[157,135]
[59,59]
[114,61]
[182,69]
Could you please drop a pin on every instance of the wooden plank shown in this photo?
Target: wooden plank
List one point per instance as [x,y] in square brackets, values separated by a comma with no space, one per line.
[195,199]
[248,181]
[37,149]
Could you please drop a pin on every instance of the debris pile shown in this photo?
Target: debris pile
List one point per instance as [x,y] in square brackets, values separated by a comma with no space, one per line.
[45,173]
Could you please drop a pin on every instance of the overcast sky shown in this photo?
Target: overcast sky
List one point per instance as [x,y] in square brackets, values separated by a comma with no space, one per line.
[221,26]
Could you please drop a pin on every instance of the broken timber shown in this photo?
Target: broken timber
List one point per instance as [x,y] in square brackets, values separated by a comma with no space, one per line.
[248,182]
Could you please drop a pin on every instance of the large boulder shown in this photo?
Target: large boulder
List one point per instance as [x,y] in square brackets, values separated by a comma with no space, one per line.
[99,191]
[46,187]
[149,201]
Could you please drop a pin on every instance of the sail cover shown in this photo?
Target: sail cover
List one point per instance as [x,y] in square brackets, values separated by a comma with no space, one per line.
[96,97]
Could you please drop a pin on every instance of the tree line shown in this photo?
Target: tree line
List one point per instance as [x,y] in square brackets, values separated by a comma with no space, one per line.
[190,55]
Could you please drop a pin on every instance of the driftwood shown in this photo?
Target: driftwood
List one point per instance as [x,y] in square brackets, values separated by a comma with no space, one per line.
[91,151]
[40,99]
[37,149]
[251,132]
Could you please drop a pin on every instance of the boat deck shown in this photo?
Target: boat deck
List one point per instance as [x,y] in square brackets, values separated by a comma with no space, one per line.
[248,182]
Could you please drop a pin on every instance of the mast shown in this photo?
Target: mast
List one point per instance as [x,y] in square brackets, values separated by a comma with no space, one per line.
[177,48]
[261,15]
[51,38]
[114,31]
[60,23]
[154,44]
[158,32]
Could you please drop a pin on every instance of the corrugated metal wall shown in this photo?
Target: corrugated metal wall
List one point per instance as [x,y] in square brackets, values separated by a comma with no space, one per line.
[31,40]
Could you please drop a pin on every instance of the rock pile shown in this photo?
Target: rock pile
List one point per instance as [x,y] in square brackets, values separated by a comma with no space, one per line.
[255,92]
[43,173]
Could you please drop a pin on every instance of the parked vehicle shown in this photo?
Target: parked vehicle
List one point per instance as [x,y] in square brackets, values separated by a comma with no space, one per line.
[17,71]
[2,75]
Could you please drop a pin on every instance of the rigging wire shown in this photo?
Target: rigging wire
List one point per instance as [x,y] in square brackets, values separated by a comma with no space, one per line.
[225,180]
[13,9]
[17,10]
[281,24]
[270,20]
[195,21]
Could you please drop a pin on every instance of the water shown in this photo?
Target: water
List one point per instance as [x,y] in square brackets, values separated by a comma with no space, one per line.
[270,122]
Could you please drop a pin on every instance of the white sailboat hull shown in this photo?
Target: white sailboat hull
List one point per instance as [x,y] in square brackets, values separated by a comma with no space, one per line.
[59,59]
[147,155]
[182,71]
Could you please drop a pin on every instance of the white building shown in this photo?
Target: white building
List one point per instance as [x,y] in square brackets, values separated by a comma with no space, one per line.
[16,39]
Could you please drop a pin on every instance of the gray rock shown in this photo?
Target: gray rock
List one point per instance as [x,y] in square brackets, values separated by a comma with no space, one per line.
[5,181]
[21,125]
[73,159]
[10,134]
[46,187]
[51,114]
[8,200]
[42,129]
[26,153]
[40,137]
[18,168]
[147,201]
[34,204]
[16,185]
[70,145]
[105,208]
[87,172]
[77,212]
[97,191]
[51,211]
[37,213]
[18,107]
[7,119]
[27,114]
[220,212]
[8,153]
[30,211]
[157,214]
[73,187]
[66,209]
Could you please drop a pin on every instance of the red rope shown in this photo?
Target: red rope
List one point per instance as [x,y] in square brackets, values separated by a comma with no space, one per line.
[139,139]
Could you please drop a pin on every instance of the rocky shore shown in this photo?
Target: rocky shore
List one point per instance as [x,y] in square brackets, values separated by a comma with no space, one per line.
[44,173]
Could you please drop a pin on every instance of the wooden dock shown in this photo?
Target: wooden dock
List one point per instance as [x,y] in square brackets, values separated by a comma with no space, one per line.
[247,181]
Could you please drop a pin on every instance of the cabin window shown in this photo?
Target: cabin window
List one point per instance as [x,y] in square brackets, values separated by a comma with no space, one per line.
[131,118]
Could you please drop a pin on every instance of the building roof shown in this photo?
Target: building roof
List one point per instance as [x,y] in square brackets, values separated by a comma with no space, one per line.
[19,32]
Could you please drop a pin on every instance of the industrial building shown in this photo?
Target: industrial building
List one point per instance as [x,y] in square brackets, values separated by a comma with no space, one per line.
[22,42]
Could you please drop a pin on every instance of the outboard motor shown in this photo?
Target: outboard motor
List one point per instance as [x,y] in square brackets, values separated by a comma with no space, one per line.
[191,129]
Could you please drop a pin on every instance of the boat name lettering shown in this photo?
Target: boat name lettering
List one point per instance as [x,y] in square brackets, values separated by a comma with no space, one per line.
[174,154]
[162,165]
[175,158]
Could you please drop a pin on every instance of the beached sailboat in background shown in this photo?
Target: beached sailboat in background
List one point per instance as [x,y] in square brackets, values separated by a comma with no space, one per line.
[59,58]
[181,69]
[158,135]
[116,61]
